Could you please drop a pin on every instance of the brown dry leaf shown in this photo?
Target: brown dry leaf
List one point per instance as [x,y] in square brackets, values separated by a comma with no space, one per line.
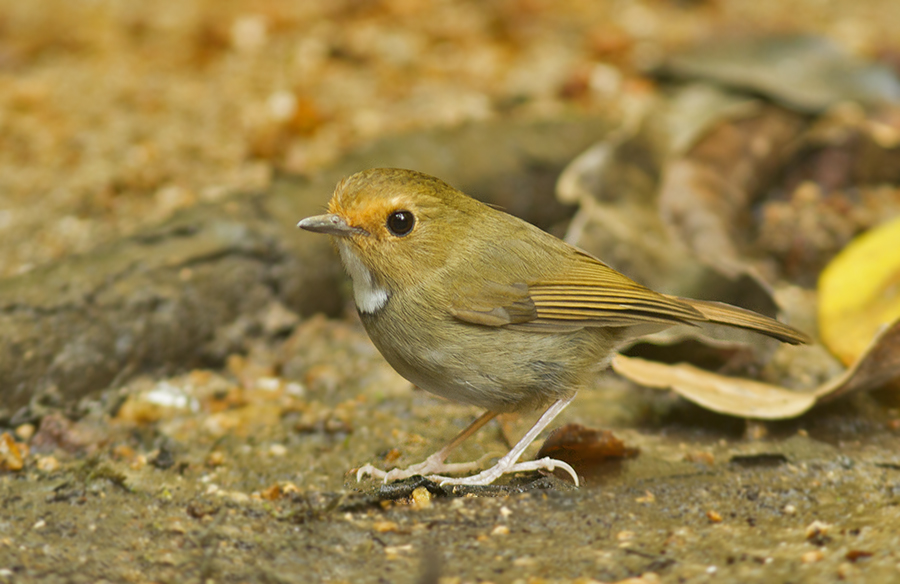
[708,189]
[697,108]
[57,431]
[849,145]
[754,399]
[575,444]
[856,555]
[706,193]
[615,184]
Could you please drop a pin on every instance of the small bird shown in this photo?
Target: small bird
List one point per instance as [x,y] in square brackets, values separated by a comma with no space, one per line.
[472,304]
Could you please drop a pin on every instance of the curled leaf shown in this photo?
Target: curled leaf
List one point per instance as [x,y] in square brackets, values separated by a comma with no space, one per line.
[879,364]
[706,193]
[746,398]
[726,395]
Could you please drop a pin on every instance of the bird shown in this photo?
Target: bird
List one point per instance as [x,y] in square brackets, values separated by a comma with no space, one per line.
[480,307]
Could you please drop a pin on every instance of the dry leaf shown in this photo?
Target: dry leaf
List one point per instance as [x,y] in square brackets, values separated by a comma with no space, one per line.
[575,444]
[727,395]
[706,194]
[616,184]
[804,72]
[746,398]
[879,364]
[859,291]
[698,108]
[12,456]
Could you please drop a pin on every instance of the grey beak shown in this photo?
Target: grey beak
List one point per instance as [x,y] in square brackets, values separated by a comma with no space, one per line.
[330,224]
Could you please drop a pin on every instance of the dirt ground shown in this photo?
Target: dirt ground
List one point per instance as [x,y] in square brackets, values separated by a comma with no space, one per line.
[267,497]
[116,115]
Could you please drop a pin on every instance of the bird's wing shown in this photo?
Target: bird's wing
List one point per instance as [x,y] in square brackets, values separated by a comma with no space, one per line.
[494,304]
[576,290]
[587,293]
[597,295]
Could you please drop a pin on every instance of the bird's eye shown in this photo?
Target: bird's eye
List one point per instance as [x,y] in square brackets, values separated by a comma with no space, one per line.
[400,223]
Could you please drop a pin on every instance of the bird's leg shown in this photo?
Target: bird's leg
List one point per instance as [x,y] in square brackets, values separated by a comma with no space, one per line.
[509,463]
[434,463]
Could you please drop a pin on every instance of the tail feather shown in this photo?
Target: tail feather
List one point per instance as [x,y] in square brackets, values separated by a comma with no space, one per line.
[721,313]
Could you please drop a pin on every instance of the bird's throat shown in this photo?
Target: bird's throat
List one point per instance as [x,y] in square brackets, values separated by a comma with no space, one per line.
[370,296]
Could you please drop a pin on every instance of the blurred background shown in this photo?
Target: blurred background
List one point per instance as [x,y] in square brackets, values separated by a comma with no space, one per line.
[114,114]
[737,175]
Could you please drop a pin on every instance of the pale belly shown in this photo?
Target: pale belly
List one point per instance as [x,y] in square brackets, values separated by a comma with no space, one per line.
[498,369]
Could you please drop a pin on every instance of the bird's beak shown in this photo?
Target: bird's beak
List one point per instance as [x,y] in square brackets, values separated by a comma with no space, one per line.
[330,224]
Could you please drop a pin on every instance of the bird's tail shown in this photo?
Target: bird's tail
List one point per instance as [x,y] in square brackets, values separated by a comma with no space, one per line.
[720,313]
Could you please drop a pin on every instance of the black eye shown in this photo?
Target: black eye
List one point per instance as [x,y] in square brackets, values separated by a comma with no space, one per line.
[400,223]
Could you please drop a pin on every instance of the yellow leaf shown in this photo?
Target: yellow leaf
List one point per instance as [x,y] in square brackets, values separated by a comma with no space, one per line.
[859,292]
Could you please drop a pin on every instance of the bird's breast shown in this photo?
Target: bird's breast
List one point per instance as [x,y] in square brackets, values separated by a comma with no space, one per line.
[496,368]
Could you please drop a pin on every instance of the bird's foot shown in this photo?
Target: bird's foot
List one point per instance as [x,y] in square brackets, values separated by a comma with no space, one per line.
[505,467]
[510,463]
[430,466]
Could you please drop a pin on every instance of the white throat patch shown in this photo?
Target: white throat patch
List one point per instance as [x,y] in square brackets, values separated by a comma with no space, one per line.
[367,293]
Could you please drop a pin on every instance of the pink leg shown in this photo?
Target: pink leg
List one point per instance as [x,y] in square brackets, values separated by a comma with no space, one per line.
[434,463]
[509,463]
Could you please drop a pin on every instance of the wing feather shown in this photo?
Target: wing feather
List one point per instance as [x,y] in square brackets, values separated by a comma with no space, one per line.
[535,282]
[588,294]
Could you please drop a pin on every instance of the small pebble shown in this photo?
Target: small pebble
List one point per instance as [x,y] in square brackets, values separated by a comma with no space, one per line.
[11,455]
[812,557]
[47,463]
[817,528]
[25,432]
[215,458]
[647,498]
[421,498]
[625,535]
[384,526]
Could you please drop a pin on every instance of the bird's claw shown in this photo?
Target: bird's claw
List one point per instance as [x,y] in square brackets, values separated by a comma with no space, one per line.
[427,468]
[369,470]
[490,475]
